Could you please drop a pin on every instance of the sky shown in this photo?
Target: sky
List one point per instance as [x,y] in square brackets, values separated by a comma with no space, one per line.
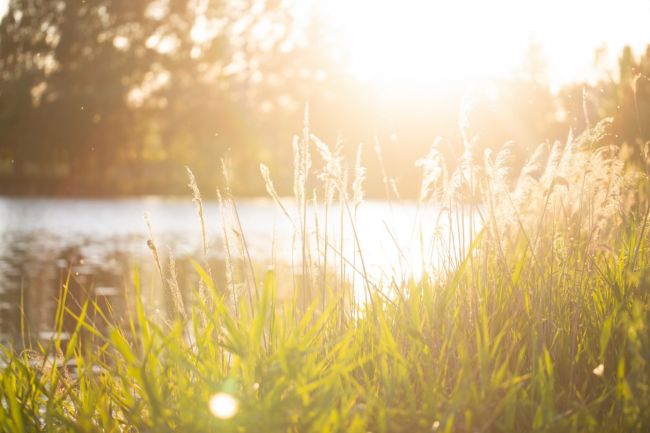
[411,40]
[420,41]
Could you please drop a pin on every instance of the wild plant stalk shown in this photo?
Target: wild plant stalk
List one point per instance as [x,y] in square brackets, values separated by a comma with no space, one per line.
[172,282]
[230,272]
[302,156]
[318,277]
[239,231]
[151,244]
[198,201]
[331,174]
[556,343]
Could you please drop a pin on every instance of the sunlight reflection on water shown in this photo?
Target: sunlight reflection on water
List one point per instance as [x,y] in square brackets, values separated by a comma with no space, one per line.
[100,240]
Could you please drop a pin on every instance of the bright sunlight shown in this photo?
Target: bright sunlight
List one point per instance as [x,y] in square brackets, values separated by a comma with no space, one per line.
[411,43]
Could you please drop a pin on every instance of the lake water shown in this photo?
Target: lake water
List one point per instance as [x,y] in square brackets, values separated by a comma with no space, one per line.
[99,243]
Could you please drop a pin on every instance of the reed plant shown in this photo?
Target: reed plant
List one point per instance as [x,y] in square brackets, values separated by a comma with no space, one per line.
[528,312]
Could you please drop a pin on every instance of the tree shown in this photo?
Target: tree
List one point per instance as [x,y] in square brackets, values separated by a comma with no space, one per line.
[111,90]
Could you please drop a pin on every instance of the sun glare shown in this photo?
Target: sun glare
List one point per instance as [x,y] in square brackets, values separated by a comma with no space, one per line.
[411,42]
[223,405]
[393,44]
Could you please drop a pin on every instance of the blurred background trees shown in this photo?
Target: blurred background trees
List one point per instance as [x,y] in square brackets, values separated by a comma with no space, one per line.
[112,97]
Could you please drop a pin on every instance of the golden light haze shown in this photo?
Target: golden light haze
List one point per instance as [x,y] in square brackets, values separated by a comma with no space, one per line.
[394,43]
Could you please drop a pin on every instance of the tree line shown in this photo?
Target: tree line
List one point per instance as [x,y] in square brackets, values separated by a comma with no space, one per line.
[115,97]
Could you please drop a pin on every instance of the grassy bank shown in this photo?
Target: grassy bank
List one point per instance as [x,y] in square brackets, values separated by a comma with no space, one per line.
[535,319]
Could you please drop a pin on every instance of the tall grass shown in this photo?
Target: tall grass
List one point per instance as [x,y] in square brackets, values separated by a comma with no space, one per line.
[533,318]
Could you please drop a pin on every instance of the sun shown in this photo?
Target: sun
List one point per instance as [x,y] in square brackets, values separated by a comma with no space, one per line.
[396,44]
[401,44]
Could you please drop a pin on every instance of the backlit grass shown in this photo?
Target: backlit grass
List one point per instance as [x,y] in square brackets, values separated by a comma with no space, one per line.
[534,319]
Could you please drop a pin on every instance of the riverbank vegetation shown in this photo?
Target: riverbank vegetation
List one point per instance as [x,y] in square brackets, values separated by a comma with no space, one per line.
[533,318]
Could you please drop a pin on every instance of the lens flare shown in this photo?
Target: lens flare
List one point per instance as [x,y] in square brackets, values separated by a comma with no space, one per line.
[223,405]
[600,370]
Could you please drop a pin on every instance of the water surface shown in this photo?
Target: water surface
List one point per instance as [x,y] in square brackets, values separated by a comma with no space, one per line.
[98,245]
